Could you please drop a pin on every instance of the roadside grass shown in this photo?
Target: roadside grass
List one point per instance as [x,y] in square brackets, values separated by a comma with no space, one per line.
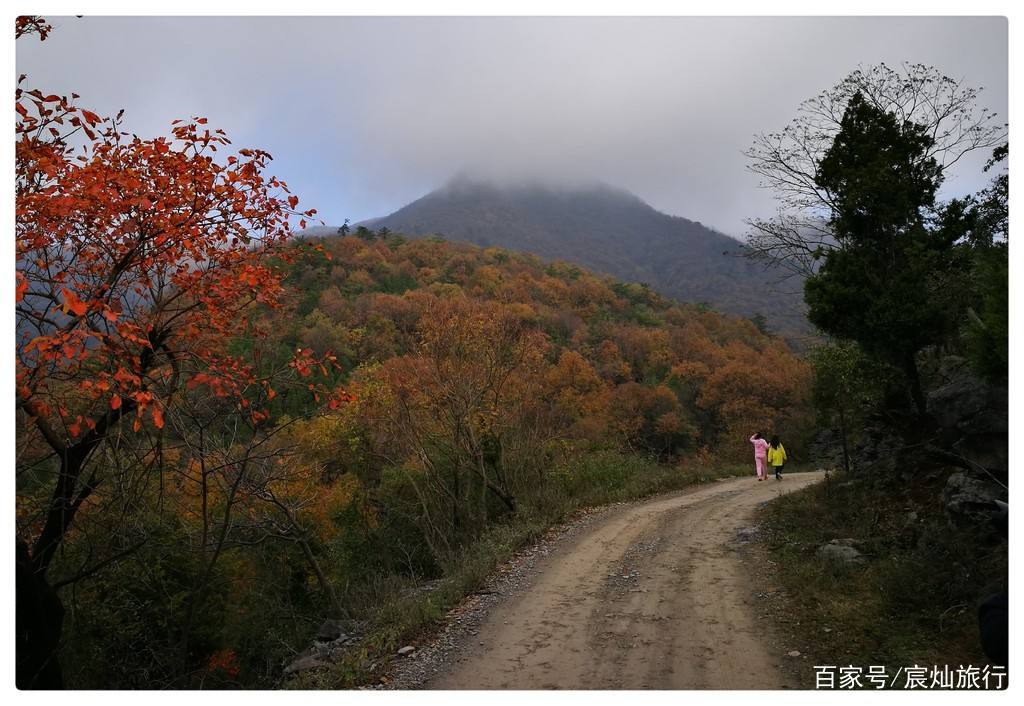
[913,602]
[403,613]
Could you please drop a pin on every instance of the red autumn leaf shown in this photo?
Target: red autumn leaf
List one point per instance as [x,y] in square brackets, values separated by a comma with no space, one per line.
[73,304]
[154,236]
[293,201]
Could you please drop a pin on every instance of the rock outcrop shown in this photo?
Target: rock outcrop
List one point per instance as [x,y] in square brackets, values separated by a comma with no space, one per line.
[332,640]
[972,417]
[969,500]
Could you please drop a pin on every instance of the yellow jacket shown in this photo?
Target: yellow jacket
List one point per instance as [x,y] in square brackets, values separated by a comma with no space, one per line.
[777,457]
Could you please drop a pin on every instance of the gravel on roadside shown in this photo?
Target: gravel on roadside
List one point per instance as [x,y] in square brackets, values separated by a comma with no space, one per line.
[459,633]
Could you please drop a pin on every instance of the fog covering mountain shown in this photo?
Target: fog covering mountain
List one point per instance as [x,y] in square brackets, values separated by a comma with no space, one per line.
[608,230]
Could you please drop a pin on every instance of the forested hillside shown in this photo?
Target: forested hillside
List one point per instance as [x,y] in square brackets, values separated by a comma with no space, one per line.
[690,378]
[608,230]
[482,389]
[248,457]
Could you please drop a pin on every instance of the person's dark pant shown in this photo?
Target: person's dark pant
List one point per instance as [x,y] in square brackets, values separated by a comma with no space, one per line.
[778,472]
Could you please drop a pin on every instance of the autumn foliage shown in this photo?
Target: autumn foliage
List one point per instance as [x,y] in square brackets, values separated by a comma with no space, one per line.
[483,379]
[137,260]
[611,363]
[189,460]
[140,264]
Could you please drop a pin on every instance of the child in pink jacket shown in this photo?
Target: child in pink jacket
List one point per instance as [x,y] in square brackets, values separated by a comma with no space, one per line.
[760,455]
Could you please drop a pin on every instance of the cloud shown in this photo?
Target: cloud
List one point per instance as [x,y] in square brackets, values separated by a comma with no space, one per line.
[366,114]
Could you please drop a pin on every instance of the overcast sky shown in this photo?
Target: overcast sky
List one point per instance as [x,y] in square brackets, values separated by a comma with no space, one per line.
[363,115]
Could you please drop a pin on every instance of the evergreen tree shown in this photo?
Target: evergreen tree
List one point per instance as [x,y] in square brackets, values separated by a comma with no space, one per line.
[887,287]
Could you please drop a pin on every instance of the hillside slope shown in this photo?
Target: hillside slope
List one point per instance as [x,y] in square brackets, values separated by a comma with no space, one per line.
[698,375]
[608,230]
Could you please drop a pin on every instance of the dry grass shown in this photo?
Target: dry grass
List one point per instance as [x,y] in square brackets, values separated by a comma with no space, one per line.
[914,602]
[403,616]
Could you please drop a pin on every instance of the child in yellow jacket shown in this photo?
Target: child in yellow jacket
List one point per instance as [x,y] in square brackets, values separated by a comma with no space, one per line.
[776,456]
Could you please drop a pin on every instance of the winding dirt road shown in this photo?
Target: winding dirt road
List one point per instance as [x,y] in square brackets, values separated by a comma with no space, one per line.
[653,596]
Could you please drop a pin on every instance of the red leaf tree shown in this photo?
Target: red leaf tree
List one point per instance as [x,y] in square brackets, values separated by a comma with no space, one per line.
[138,261]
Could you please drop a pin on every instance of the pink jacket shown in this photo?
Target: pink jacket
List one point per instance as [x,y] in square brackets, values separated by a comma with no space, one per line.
[760,447]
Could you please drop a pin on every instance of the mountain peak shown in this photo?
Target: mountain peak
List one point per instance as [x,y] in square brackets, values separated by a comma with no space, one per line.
[604,228]
[466,183]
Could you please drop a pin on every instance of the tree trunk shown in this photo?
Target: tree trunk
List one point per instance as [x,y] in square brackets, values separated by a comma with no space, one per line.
[846,446]
[508,500]
[40,612]
[321,577]
[39,621]
[910,367]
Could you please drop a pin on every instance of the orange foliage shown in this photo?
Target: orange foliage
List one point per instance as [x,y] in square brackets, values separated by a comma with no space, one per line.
[725,377]
[139,262]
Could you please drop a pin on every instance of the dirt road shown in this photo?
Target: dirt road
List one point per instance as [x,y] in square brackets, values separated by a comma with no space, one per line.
[654,596]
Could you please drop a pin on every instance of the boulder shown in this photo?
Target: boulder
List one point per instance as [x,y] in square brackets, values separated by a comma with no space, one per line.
[970,500]
[879,453]
[841,552]
[303,664]
[331,631]
[969,405]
